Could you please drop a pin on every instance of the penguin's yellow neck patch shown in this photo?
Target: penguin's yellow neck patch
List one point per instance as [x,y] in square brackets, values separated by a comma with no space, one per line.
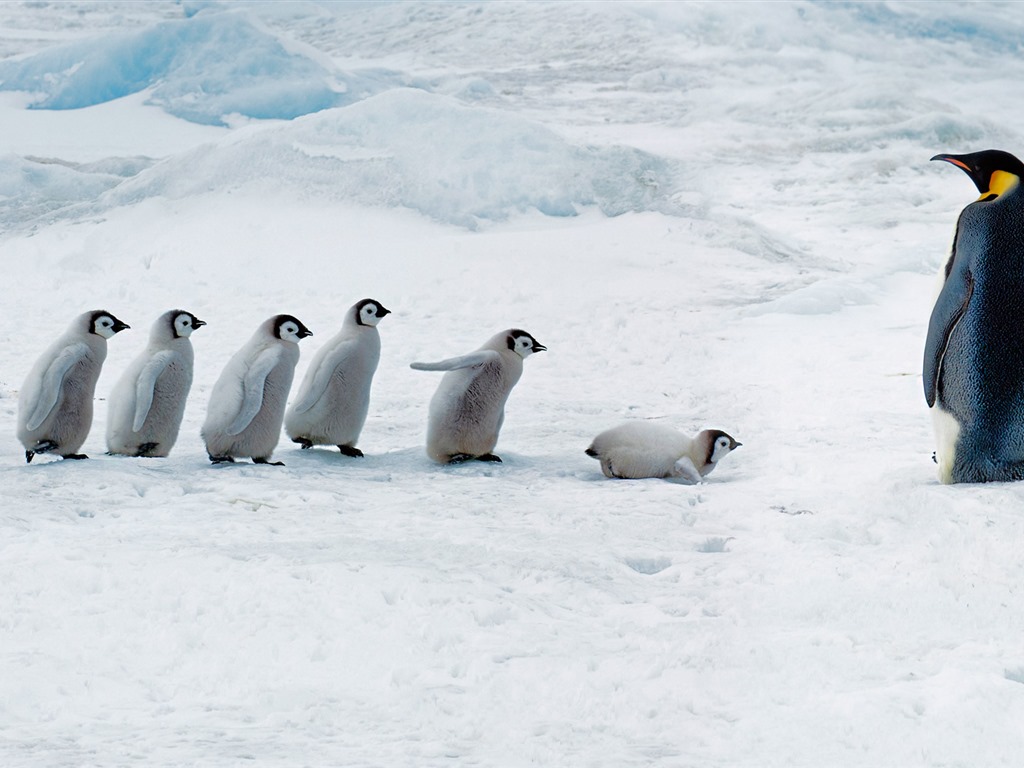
[1001,182]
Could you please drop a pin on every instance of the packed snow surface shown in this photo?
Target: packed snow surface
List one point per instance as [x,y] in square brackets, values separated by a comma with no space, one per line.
[712,214]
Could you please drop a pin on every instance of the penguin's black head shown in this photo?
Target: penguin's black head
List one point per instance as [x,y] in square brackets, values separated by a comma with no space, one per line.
[720,444]
[104,324]
[992,170]
[288,328]
[183,323]
[370,312]
[523,343]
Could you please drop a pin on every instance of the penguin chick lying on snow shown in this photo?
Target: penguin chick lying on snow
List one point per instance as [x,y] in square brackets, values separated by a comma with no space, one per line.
[641,449]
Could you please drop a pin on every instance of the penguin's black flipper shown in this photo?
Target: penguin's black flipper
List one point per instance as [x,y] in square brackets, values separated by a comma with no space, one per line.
[949,308]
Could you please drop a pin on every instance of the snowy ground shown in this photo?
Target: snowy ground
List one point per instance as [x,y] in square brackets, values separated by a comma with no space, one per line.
[754,244]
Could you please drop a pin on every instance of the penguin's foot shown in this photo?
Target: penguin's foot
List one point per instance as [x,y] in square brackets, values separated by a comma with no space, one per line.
[488,457]
[348,450]
[28,456]
[304,443]
[43,446]
[222,459]
[75,456]
[460,458]
[267,462]
[935,459]
[145,449]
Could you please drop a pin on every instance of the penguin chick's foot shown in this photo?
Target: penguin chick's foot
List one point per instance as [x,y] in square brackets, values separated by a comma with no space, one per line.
[43,446]
[489,457]
[222,460]
[460,458]
[348,450]
[145,449]
[75,456]
[268,462]
[304,443]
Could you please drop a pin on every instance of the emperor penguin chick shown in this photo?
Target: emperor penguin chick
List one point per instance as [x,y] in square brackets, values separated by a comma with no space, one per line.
[468,408]
[247,402]
[148,401]
[639,449]
[335,394]
[55,404]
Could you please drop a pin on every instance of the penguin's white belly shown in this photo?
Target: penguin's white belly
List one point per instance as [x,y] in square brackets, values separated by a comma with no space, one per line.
[947,433]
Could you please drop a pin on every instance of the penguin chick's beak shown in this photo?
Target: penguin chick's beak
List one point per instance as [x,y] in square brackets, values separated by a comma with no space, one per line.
[737,446]
[304,332]
[197,323]
[381,311]
[118,326]
[538,347]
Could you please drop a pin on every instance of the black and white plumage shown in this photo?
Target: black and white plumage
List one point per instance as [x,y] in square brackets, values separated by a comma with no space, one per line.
[55,405]
[148,402]
[973,370]
[468,408]
[248,401]
[639,449]
[334,397]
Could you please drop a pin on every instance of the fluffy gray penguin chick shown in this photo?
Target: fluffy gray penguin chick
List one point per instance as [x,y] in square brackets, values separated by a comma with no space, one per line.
[247,403]
[55,403]
[148,402]
[468,408]
[334,397]
[639,449]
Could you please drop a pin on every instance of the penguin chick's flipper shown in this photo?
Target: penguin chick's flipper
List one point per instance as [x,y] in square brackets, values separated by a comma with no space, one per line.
[592,453]
[489,457]
[685,470]
[348,450]
[145,449]
[471,360]
[74,456]
[222,459]
[304,443]
[268,462]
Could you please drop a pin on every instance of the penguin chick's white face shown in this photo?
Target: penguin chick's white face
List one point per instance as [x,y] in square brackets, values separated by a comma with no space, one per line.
[370,312]
[523,344]
[722,447]
[290,329]
[184,323]
[106,325]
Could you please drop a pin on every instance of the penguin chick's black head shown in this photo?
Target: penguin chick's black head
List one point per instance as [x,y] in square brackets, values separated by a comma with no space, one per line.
[521,341]
[102,323]
[287,326]
[990,169]
[366,309]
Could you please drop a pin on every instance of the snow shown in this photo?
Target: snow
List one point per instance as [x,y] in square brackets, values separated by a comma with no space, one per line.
[713,215]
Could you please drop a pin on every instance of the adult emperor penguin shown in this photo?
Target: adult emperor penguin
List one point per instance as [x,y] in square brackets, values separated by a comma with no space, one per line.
[642,449]
[974,353]
[468,408]
[148,402]
[247,402]
[335,393]
[55,404]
